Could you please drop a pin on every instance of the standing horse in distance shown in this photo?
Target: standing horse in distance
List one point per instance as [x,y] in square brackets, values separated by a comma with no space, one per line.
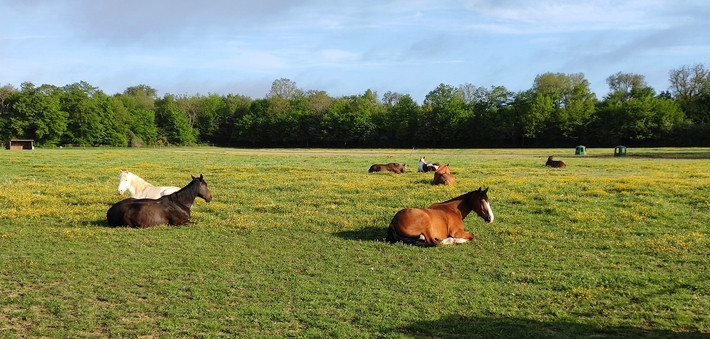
[391,167]
[139,188]
[172,209]
[425,166]
[440,223]
[554,163]
[443,176]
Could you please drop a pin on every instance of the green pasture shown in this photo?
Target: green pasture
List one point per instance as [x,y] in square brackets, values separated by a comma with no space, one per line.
[292,245]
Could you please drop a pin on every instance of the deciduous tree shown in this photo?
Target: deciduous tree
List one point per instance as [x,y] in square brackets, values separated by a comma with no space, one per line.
[38,114]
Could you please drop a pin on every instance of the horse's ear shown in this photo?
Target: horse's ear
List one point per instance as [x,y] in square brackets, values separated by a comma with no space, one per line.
[479,188]
[192,176]
[486,190]
[201,176]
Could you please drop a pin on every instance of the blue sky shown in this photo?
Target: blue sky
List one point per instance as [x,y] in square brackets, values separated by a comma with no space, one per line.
[345,47]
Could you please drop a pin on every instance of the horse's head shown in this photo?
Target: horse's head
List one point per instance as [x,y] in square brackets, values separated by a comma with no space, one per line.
[202,190]
[124,181]
[480,203]
[443,169]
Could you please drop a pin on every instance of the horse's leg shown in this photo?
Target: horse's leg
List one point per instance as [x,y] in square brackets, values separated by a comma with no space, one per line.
[420,239]
[448,241]
[180,216]
[463,235]
[433,239]
[458,232]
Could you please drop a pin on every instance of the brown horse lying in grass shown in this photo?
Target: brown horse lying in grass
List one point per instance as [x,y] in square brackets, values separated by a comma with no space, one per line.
[554,163]
[441,223]
[392,167]
[443,176]
[172,209]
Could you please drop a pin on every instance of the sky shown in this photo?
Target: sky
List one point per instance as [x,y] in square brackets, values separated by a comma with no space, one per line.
[345,47]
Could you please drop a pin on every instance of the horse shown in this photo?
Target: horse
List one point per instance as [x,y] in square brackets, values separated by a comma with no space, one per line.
[171,209]
[427,166]
[392,167]
[440,223]
[139,188]
[443,176]
[554,163]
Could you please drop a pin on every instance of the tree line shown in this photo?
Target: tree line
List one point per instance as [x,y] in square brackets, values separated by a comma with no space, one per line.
[559,110]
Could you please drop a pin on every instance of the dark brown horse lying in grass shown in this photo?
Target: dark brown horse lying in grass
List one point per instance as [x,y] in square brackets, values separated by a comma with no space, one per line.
[443,176]
[172,209]
[392,167]
[554,163]
[442,223]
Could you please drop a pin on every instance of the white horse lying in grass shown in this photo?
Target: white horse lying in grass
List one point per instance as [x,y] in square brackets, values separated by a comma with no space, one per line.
[141,189]
[425,166]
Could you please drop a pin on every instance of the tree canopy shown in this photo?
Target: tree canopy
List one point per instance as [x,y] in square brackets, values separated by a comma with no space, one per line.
[558,110]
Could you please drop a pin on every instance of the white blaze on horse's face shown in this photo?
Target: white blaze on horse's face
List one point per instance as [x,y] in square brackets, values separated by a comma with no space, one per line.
[489,210]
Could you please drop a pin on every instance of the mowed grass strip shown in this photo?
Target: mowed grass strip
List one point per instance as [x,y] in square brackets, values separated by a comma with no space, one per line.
[293,245]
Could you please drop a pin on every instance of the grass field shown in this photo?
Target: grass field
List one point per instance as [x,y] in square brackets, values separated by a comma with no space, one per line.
[292,244]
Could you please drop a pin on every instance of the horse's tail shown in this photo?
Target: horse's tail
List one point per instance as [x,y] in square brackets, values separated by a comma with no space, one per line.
[392,236]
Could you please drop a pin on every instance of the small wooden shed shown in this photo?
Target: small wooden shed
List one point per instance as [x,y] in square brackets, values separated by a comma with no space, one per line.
[20,144]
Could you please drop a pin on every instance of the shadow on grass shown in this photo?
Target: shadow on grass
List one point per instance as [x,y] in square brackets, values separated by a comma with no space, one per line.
[457,327]
[94,223]
[365,234]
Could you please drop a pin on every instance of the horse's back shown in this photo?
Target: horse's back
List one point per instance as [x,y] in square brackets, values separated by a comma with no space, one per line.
[419,226]
[556,163]
[156,192]
[137,213]
[446,179]
[391,167]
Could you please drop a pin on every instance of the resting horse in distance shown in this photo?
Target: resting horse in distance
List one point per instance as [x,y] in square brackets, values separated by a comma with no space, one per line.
[172,209]
[554,163]
[427,166]
[139,188]
[443,176]
[441,223]
[392,167]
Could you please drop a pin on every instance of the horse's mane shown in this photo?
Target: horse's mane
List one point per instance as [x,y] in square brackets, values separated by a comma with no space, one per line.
[462,196]
[134,177]
[466,196]
[190,188]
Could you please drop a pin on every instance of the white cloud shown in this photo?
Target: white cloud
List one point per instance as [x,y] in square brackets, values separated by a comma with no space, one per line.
[566,16]
[404,44]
